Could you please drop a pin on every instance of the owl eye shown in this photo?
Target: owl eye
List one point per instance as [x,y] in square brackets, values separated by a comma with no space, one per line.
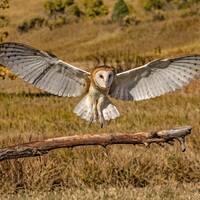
[101,76]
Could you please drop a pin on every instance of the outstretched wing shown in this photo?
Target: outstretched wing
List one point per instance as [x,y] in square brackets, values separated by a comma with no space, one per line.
[43,70]
[156,78]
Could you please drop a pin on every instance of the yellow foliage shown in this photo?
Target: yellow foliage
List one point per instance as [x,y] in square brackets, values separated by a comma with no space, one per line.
[4,72]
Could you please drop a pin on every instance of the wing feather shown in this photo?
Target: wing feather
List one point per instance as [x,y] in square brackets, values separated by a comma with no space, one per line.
[156,78]
[43,70]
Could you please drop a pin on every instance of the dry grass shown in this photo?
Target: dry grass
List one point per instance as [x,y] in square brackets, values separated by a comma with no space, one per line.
[162,192]
[118,172]
[78,42]
[91,168]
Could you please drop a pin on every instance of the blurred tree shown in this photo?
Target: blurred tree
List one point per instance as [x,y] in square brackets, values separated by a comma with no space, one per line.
[58,7]
[186,3]
[69,2]
[54,7]
[120,10]
[60,11]
[3,21]
[3,35]
[35,22]
[94,8]
[153,4]
[4,4]
[74,10]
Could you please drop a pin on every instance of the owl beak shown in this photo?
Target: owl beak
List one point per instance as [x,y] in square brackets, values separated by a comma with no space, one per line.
[107,83]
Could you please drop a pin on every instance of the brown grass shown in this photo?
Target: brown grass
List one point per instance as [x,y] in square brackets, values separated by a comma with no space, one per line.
[118,172]
[161,192]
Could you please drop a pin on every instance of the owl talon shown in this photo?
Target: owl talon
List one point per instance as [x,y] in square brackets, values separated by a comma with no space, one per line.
[92,119]
[90,122]
[103,123]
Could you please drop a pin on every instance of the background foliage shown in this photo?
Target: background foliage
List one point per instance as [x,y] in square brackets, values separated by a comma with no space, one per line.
[120,10]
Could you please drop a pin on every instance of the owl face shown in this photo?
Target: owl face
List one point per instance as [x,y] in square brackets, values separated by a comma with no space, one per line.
[103,78]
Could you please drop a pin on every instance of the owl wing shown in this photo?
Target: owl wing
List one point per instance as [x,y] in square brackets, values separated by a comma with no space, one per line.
[43,70]
[155,78]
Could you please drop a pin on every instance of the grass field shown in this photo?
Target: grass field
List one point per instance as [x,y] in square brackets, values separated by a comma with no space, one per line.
[120,171]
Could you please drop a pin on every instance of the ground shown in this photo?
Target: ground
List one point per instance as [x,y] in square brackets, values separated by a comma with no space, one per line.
[120,171]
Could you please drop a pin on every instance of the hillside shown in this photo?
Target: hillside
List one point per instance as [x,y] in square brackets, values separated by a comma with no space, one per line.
[117,172]
[78,42]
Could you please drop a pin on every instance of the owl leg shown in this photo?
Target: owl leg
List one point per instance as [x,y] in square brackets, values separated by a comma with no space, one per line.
[93,116]
[100,113]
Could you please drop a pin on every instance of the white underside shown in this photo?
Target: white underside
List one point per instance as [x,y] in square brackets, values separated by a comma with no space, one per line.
[102,110]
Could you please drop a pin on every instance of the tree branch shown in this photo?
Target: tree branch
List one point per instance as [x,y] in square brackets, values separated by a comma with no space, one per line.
[38,148]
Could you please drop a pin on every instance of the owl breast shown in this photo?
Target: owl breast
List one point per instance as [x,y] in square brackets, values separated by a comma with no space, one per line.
[96,92]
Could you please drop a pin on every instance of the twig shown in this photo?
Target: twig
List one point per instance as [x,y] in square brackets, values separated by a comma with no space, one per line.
[38,148]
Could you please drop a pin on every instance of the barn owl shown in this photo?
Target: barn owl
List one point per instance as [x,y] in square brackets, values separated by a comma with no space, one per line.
[57,77]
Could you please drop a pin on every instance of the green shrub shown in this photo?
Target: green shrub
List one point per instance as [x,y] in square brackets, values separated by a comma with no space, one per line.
[54,7]
[150,5]
[35,22]
[158,16]
[191,12]
[130,20]
[93,8]
[3,35]
[4,4]
[38,22]
[3,21]
[74,10]
[120,10]
[153,4]
[4,72]
[186,3]
[58,22]
[69,2]
[61,8]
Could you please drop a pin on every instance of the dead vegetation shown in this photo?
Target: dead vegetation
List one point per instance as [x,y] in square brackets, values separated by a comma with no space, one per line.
[117,172]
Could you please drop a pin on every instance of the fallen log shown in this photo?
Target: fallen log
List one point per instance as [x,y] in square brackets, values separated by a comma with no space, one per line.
[39,148]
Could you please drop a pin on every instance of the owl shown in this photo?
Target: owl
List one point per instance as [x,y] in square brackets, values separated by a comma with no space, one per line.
[49,73]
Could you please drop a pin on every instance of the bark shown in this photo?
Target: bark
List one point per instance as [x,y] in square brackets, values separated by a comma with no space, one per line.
[38,148]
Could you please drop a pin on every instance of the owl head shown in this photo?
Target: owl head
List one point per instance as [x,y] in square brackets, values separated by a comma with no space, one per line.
[103,76]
